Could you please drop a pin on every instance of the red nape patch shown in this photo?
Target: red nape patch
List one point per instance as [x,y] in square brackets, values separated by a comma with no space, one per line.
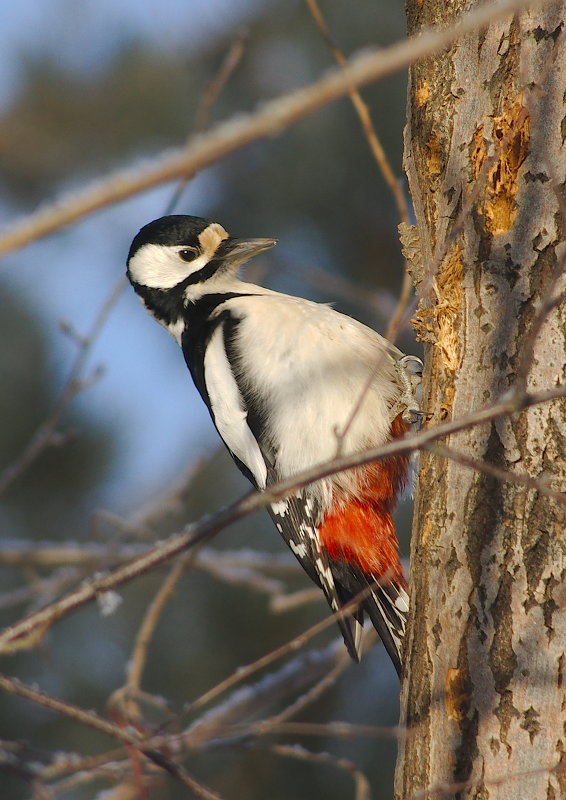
[360,529]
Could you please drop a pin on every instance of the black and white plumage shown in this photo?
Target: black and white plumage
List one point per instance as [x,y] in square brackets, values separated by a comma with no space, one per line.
[282,377]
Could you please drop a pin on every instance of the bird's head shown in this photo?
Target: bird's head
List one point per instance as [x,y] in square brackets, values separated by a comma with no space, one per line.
[178,258]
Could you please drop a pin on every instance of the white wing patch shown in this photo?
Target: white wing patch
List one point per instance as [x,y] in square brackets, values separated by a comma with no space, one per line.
[392,605]
[227,406]
[297,519]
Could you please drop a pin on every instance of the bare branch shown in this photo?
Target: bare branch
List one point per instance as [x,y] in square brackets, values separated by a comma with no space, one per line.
[14,552]
[291,646]
[361,783]
[41,590]
[496,472]
[215,87]
[207,100]
[227,720]
[75,383]
[397,321]
[313,694]
[270,120]
[378,302]
[92,720]
[336,730]
[550,301]
[88,718]
[29,631]
[364,116]
[66,763]
[125,698]
[285,602]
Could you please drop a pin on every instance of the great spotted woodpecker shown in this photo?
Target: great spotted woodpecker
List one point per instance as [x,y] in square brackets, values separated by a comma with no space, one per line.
[286,380]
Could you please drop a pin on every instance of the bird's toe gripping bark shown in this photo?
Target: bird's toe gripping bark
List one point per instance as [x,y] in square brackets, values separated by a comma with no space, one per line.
[409,371]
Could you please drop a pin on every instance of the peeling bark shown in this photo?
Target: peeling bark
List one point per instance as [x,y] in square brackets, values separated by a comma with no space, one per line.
[484,699]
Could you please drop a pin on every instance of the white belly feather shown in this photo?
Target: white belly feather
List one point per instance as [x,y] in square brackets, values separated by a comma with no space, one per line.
[311,367]
[228,410]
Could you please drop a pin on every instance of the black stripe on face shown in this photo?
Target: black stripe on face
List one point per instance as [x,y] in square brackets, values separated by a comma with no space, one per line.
[165,304]
[199,328]
[217,263]
[202,274]
[169,304]
[196,335]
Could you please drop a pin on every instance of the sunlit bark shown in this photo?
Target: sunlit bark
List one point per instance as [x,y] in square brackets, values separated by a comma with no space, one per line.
[484,697]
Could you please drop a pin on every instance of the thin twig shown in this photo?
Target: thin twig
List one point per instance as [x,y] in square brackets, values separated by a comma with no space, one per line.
[215,87]
[208,98]
[238,568]
[382,161]
[294,644]
[74,384]
[124,789]
[336,730]
[92,720]
[28,631]
[18,553]
[128,694]
[280,603]
[361,783]
[314,693]
[401,315]
[497,472]
[380,302]
[145,632]
[364,116]
[74,712]
[40,792]
[269,120]
[549,302]
[42,590]
[182,776]
[227,722]
[322,686]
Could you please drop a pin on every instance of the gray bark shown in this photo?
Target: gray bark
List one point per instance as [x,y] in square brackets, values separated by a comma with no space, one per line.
[484,699]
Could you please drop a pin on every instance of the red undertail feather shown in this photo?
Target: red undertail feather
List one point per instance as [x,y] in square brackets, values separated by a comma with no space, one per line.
[359,530]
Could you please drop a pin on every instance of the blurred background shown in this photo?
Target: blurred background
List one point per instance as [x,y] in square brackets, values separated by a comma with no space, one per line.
[86,88]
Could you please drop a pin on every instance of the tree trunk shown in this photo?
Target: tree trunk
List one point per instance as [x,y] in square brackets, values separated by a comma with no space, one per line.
[484,699]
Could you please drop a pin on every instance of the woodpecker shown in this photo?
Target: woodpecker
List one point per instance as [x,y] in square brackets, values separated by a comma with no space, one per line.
[288,384]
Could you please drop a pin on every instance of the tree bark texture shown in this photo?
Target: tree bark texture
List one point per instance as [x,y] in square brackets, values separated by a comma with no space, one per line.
[484,698]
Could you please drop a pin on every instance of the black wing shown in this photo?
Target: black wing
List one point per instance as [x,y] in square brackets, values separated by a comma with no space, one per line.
[386,602]
[297,519]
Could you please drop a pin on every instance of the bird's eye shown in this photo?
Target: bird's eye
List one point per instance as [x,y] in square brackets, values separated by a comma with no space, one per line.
[188,253]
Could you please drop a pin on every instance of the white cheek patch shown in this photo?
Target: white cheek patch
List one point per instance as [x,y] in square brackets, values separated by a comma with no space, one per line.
[159,266]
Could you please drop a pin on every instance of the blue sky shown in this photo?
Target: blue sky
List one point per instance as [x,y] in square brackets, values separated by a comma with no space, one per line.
[145,391]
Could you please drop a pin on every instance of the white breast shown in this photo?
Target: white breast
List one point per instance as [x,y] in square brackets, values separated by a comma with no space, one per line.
[311,367]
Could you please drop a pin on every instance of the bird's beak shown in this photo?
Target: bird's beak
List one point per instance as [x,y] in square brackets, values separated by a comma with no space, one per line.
[238,251]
